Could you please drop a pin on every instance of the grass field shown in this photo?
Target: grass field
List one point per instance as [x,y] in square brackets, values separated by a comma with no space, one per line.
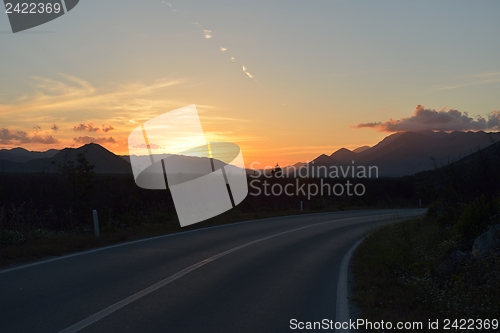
[403,272]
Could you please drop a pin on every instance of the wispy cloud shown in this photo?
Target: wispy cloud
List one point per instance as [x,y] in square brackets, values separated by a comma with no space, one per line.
[57,96]
[488,74]
[81,113]
[221,136]
[471,80]
[442,120]
[218,120]
[67,100]
[207,33]
[144,146]
[247,72]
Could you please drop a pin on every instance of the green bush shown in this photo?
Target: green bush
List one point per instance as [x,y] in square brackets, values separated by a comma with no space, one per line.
[475,218]
[10,237]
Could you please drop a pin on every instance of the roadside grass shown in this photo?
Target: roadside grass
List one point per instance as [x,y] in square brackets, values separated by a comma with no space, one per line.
[402,272]
[17,247]
[32,246]
[48,214]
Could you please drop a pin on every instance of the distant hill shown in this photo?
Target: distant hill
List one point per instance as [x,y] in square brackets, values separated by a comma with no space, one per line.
[22,155]
[412,152]
[407,153]
[103,160]
[289,169]
[344,155]
[474,175]
[475,161]
[361,149]
[399,154]
[325,160]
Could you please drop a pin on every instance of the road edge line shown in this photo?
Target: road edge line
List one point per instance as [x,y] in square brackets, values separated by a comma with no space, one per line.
[342,304]
[120,304]
[109,247]
[342,311]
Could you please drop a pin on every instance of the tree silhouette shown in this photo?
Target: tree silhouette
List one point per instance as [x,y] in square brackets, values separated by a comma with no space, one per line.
[79,177]
[277,171]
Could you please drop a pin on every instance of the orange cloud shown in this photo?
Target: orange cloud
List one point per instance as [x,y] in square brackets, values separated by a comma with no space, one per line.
[144,146]
[429,119]
[86,128]
[11,137]
[107,128]
[99,140]
[92,128]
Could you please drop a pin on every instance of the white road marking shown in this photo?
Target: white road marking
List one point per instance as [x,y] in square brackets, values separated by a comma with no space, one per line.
[148,239]
[342,313]
[112,308]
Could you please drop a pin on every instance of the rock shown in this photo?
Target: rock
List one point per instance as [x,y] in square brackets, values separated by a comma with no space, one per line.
[401,281]
[447,267]
[489,276]
[487,242]
[458,256]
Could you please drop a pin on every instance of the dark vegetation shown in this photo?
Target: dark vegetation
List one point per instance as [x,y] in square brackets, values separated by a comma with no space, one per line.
[51,213]
[445,264]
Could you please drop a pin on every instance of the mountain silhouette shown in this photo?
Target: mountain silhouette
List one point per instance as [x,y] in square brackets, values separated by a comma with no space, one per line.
[324,160]
[397,155]
[407,153]
[361,149]
[344,155]
[475,175]
[22,155]
[103,160]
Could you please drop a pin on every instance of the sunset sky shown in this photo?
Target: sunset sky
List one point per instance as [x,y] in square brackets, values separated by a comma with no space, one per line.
[287,80]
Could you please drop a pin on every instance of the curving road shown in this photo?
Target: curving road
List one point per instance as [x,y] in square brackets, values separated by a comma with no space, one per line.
[246,277]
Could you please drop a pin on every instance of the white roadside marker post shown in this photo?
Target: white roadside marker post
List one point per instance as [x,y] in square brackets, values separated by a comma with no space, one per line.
[96,223]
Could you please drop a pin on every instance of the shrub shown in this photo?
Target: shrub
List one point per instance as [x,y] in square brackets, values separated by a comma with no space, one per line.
[475,218]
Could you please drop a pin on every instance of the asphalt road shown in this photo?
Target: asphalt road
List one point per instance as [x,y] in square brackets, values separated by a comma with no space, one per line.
[246,277]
